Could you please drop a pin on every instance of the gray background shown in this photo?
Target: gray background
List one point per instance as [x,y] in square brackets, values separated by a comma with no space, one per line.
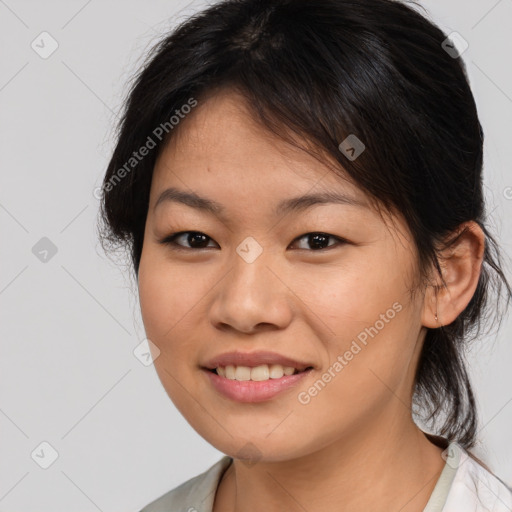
[69,325]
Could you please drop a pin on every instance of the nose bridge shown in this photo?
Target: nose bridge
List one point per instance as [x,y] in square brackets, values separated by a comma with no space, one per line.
[250,274]
[250,295]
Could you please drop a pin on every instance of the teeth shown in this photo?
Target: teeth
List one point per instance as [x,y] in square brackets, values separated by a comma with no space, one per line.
[276,371]
[257,373]
[230,372]
[242,373]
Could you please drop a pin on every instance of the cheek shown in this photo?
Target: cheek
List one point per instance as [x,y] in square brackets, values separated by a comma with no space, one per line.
[167,300]
[367,320]
[166,294]
[157,302]
[360,379]
[351,297]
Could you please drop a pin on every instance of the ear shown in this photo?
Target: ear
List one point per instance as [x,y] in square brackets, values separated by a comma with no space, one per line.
[460,265]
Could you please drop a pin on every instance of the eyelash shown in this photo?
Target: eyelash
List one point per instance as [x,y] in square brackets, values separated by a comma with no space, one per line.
[170,241]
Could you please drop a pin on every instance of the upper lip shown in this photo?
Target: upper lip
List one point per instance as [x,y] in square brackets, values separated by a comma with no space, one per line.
[252,359]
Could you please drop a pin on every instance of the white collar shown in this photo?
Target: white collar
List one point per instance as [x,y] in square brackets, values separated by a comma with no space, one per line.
[466,486]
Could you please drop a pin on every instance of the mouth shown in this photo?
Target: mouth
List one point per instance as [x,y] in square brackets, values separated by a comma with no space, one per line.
[255,376]
[255,383]
[257,373]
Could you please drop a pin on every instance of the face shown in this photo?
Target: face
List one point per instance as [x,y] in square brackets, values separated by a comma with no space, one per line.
[320,286]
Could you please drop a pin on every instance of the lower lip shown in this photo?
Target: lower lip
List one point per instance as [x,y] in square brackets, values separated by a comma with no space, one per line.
[251,390]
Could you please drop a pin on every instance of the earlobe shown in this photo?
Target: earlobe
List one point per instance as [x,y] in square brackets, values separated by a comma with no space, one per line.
[460,264]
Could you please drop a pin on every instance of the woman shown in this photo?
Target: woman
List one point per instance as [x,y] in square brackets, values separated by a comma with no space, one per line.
[299,184]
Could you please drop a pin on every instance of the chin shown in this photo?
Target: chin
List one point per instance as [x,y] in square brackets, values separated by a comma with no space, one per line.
[253,448]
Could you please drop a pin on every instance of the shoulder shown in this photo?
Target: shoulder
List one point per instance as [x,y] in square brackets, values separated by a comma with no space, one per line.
[476,489]
[194,495]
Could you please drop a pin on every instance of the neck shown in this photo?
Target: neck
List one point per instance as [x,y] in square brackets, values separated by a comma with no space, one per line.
[388,469]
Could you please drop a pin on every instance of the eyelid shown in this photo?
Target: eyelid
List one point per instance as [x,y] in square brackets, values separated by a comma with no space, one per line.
[170,240]
[339,241]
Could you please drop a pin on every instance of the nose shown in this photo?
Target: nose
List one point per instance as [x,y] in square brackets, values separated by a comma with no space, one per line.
[251,298]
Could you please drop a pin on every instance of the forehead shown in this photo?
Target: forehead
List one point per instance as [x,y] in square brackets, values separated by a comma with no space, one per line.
[220,143]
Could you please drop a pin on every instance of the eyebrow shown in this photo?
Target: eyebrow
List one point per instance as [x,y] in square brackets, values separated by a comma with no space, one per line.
[296,204]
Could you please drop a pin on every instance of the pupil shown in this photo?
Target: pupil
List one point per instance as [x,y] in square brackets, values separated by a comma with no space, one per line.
[196,237]
[317,240]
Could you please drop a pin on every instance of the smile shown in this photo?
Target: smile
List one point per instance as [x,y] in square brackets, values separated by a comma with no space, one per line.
[254,384]
[257,373]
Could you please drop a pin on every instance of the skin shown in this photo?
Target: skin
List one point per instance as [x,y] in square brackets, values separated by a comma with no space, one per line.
[306,303]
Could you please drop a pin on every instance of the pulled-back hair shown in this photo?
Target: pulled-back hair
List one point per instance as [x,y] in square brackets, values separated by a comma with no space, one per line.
[322,70]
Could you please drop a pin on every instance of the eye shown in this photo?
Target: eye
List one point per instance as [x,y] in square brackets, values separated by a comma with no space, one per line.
[318,241]
[195,239]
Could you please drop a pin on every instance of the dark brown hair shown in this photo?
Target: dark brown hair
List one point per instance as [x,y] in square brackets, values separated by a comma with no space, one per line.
[322,70]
